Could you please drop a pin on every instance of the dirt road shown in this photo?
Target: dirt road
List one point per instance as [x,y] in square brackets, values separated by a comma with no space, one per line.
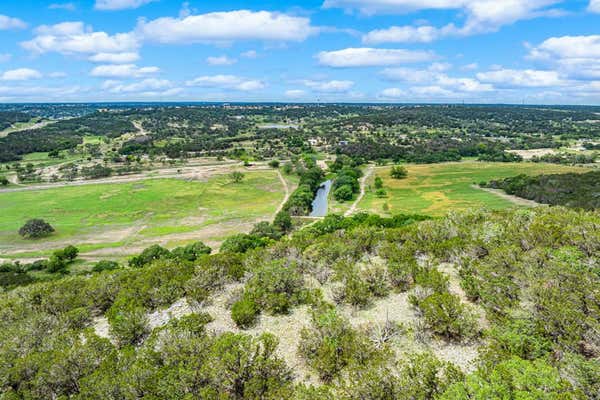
[363,183]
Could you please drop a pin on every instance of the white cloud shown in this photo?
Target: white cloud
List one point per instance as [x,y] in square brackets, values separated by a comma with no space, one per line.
[403,34]
[226,27]
[249,54]
[333,86]
[435,77]
[150,84]
[369,57]
[482,16]
[227,82]
[20,74]
[393,93]
[522,78]
[7,22]
[221,60]
[574,56]
[76,38]
[119,4]
[594,6]
[115,58]
[5,57]
[62,6]
[470,67]
[123,71]
[295,93]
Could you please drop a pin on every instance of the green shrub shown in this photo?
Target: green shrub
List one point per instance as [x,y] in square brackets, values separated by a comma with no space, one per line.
[35,229]
[242,242]
[381,193]
[331,344]
[398,172]
[105,265]
[128,322]
[514,379]
[191,252]
[244,312]
[149,255]
[446,316]
[378,183]
[343,193]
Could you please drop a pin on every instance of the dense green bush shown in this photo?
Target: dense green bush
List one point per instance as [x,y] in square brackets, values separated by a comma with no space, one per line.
[244,312]
[105,265]
[446,316]
[35,229]
[149,255]
[191,252]
[330,345]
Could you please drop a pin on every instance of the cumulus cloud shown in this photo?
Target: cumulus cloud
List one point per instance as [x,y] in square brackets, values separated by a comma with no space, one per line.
[522,78]
[7,22]
[594,6]
[123,71]
[434,79]
[115,58]
[76,38]
[575,56]
[482,16]
[227,82]
[226,27]
[370,57]
[333,86]
[110,5]
[20,74]
[221,60]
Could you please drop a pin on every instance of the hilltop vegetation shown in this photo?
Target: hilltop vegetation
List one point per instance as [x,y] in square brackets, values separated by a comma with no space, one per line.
[519,287]
[571,190]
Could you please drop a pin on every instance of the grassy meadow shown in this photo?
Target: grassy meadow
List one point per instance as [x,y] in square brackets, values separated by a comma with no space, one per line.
[435,189]
[105,216]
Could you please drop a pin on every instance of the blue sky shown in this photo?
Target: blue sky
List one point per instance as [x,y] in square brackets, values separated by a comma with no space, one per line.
[484,51]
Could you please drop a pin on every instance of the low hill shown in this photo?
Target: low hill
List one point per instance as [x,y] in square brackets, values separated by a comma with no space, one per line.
[474,305]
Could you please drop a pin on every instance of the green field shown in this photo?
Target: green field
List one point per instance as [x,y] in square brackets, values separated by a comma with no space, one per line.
[126,214]
[435,189]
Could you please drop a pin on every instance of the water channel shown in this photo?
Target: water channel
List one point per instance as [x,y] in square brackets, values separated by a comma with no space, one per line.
[319,204]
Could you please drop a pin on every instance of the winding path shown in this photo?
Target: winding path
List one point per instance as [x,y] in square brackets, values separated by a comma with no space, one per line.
[363,182]
[287,192]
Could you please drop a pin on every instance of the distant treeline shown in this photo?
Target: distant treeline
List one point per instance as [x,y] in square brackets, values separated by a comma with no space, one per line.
[572,190]
[62,135]
[8,118]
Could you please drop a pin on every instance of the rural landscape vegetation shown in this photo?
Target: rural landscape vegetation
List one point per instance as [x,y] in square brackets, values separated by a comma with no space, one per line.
[297,250]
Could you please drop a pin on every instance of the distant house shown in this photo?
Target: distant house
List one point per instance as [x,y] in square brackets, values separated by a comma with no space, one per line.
[314,141]
[343,143]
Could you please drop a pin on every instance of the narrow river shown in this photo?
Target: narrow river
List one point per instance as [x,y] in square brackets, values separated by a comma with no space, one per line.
[319,204]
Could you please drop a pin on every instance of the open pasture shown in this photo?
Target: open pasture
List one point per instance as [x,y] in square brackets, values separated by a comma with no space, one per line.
[435,189]
[112,218]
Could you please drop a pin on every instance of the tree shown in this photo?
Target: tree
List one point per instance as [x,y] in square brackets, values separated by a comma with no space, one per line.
[70,253]
[3,181]
[283,221]
[398,172]
[274,163]
[236,176]
[378,182]
[35,228]
[343,193]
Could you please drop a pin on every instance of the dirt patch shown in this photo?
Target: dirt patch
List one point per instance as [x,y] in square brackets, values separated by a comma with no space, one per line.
[529,154]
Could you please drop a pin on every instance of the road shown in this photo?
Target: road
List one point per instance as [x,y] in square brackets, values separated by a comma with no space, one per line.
[363,183]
